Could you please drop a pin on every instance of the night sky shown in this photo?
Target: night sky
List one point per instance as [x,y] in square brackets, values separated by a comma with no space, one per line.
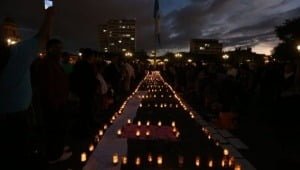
[235,22]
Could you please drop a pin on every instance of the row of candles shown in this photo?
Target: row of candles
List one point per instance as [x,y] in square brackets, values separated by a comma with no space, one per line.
[154,96]
[161,105]
[226,161]
[101,132]
[148,132]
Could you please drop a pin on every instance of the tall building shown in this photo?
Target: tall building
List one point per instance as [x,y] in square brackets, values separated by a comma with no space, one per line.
[118,36]
[206,46]
[10,31]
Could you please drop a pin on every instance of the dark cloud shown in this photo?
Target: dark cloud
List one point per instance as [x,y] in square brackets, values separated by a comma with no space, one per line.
[235,22]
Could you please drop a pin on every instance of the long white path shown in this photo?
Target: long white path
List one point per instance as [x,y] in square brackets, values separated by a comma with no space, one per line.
[101,159]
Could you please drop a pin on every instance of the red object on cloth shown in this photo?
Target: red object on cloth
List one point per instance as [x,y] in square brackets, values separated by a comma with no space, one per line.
[156,132]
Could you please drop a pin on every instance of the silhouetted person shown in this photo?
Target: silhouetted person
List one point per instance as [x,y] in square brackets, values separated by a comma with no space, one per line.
[54,91]
[84,85]
[15,95]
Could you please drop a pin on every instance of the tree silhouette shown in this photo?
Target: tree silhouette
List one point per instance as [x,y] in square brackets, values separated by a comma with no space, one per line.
[289,34]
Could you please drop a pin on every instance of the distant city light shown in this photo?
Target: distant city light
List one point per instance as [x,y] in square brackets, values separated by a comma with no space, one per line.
[225,57]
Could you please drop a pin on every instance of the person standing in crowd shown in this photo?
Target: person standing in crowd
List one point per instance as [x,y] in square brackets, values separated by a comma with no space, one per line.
[16,94]
[128,77]
[54,91]
[84,85]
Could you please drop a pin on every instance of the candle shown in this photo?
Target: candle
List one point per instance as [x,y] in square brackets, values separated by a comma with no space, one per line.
[209,137]
[210,164]
[138,133]
[155,105]
[161,105]
[124,160]
[141,105]
[174,130]
[105,127]
[177,135]
[83,157]
[171,105]
[139,123]
[173,124]
[159,123]
[197,161]
[159,160]
[113,118]
[148,123]
[148,133]
[129,121]
[162,96]
[119,132]
[91,147]
[138,161]
[115,159]
[223,163]
[149,158]
[100,132]
[226,152]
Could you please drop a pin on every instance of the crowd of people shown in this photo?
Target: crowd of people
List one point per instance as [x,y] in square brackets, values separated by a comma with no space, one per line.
[44,99]
[215,88]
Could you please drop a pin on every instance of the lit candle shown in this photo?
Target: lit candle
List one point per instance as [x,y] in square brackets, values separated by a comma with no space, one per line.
[161,105]
[115,159]
[210,164]
[155,105]
[124,160]
[141,105]
[223,163]
[83,157]
[209,137]
[162,96]
[105,127]
[119,132]
[148,133]
[159,123]
[139,123]
[173,124]
[138,161]
[159,160]
[138,133]
[197,161]
[226,152]
[113,118]
[174,130]
[171,105]
[91,147]
[149,158]
[148,123]
[165,105]
[129,121]
[177,135]
[100,132]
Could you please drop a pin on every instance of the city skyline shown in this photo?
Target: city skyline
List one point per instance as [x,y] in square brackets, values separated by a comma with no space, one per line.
[234,22]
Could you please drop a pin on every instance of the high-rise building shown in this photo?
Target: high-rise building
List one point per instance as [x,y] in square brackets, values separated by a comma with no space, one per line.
[10,30]
[118,36]
[206,46]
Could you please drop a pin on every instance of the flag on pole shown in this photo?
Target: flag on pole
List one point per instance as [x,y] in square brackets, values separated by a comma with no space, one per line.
[157,21]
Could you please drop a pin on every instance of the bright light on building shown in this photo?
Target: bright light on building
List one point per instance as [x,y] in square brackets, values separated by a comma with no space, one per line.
[128,54]
[178,55]
[225,57]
